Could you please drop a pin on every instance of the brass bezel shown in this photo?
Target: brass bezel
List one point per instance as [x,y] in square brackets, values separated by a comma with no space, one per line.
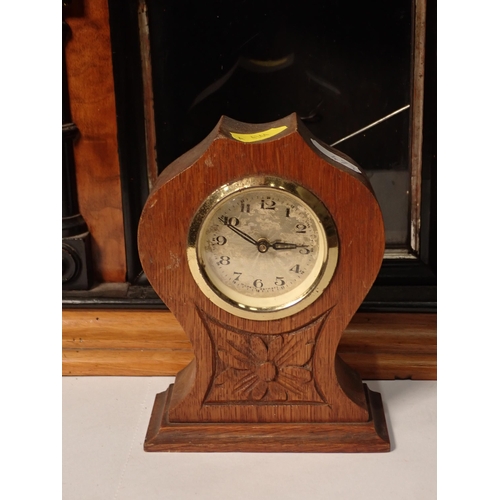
[326,224]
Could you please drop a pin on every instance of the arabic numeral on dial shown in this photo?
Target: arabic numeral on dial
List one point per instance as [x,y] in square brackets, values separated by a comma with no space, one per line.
[287,212]
[268,204]
[279,281]
[245,207]
[224,261]
[230,221]
[296,269]
[220,240]
[300,228]
[258,283]
[237,277]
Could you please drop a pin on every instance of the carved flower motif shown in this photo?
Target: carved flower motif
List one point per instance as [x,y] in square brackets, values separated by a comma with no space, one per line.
[267,368]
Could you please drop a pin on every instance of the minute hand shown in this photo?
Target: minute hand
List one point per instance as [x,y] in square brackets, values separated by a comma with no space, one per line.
[239,232]
[286,246]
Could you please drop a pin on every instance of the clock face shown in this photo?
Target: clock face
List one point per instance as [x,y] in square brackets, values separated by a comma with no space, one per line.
[262,248]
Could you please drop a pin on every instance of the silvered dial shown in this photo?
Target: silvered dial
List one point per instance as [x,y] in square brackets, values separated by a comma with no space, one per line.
[262,247]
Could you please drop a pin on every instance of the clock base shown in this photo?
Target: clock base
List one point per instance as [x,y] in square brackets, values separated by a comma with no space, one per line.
[364,437]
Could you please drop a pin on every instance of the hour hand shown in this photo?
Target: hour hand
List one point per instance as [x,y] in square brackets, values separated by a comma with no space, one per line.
[239,232]
[279,245]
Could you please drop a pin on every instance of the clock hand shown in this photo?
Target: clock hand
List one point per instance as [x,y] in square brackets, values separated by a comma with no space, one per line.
[286,246]
[239,232]
[262,244]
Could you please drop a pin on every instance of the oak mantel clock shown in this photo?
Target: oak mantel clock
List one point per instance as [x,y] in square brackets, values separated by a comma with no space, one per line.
[263,242]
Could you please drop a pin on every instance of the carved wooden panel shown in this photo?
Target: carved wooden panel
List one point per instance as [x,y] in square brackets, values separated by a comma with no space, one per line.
[264,369]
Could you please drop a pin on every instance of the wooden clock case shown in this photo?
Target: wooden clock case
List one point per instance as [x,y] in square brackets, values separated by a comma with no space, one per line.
[321,405]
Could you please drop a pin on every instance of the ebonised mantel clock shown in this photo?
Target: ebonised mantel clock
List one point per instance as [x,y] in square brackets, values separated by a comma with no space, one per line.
[263,242]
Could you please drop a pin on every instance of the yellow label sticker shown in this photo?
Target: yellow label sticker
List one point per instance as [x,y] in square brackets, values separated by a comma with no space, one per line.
[258,136]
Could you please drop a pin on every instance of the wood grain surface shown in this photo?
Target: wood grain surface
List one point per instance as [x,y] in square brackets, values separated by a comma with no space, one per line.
[106,342]
[369,436]
[92,100]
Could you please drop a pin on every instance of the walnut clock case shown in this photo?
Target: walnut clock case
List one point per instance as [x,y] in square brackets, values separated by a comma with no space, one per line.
[263,242]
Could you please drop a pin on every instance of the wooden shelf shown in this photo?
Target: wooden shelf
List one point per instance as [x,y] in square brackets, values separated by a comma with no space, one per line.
[151,343]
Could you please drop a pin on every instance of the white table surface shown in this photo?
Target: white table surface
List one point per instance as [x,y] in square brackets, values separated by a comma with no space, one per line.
[105,421]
